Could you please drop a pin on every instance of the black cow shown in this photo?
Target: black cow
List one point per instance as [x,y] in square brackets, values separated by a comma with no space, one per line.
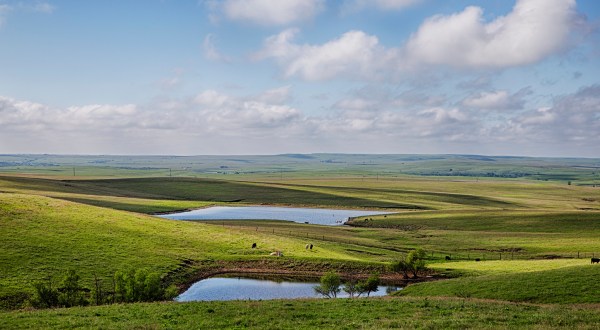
[254,245]
[311,246]
[595,260]
[448,258]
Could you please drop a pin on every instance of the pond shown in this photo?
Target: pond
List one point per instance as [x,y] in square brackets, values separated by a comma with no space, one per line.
[300,215]
[243,288]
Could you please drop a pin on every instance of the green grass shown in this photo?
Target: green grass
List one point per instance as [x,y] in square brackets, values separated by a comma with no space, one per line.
[563,285]
[87,222]
[44,237]
[497,267]
[404,313]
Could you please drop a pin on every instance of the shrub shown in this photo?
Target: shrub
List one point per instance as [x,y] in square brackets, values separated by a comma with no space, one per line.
[330,285]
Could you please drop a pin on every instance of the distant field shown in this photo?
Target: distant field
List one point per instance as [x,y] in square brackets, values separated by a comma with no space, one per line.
[578,170]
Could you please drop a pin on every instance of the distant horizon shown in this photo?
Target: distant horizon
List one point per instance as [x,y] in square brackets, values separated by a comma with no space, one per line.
[295,153]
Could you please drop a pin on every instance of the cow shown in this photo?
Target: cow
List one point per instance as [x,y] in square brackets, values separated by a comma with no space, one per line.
[254,245]
[311,246]
[306,247]
[448,258]
[595,260]
[477,259]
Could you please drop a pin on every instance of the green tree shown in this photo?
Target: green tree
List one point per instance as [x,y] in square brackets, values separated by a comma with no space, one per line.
[371,284]
[45,295]
[119,287]
[413,263]
[71,293]
[416,261]
[329,286]
[353,288]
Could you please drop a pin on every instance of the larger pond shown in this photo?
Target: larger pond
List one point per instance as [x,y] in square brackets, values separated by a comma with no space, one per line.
[300,215]
[240,288]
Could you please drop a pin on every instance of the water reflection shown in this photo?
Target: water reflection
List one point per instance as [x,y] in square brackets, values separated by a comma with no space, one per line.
[300,215]
[240,288]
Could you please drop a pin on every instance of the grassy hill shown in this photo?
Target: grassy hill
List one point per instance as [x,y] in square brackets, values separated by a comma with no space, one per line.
[95,224]
[563,285]
[44,237]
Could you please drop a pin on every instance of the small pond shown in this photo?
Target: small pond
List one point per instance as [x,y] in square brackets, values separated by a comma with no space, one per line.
[300,215]
[242,288]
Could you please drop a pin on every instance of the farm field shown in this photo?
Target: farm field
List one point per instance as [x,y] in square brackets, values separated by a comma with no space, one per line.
[522,230]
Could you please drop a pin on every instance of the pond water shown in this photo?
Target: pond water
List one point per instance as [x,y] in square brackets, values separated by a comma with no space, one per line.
[300,215]
[240,288]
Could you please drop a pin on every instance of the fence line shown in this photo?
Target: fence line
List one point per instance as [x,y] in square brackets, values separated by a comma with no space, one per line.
[432,255]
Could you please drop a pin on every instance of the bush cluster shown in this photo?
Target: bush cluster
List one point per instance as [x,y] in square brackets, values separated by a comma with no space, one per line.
[130,286]
[330,286]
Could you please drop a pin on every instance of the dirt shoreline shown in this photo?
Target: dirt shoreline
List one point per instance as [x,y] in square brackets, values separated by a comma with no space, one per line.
[191,272]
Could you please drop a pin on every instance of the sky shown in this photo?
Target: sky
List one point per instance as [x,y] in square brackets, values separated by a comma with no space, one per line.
[176,77]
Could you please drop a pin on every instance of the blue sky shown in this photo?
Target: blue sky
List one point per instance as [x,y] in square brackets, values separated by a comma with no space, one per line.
[493,77]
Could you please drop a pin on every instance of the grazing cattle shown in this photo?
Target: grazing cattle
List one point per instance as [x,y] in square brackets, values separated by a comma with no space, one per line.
[277,254]
[306,247]
[254,245]
[477,259]
[311,246]
[595,260]
[448,258]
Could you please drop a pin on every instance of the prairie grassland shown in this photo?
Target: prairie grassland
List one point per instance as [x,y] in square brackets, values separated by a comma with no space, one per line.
[43,237]
[561,285]
[373,313]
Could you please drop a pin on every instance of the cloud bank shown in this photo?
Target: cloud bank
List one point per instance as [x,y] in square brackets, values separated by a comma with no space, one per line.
[531,32]
[214,122]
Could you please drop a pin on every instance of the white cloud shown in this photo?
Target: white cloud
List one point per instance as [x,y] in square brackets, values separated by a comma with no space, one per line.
[210,50]
[353,55]
[215,122]
[573,118]
[268,12]
[533,30]
[488,100]
[278,95]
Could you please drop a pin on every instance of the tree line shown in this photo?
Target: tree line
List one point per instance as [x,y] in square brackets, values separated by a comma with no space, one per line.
[125,286]
[410,266]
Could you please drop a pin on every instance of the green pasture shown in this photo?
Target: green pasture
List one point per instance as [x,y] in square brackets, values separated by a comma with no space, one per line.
[372,313]
[560,285]
[532,231]
[44,237]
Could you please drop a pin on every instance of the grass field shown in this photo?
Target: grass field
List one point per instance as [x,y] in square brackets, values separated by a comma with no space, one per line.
[562,285]
[374,313]
[43,237]
[97,222]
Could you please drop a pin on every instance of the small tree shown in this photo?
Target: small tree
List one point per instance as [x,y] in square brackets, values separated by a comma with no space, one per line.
[98,294]
[413,263]
[330,285]
[71,293]
[120,290]
[352,288]
[401,266]
[45,295]
[416,261]
[371,284]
